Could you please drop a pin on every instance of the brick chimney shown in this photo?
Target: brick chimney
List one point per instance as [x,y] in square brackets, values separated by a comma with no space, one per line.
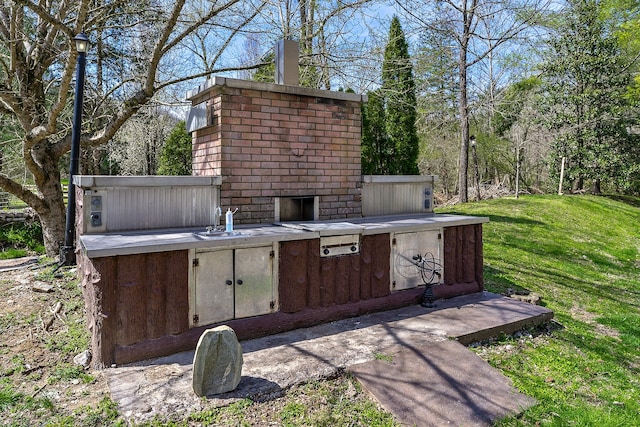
[280,148]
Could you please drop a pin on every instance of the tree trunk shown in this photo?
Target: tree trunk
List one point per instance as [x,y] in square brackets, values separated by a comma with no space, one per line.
[578,184]
[595,187]
[518,170]
[48,201]
[53,228]
[50,206]
[445,179]
[4,197]
[464,126]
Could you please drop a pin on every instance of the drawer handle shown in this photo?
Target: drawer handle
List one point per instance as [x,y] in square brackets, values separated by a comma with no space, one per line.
[239,281]
[229,282]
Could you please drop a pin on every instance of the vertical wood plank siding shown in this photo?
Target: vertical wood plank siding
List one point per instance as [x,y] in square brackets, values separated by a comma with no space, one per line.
[309,281]
[156,307]
[138,308]
[463,259]
[479,258]
[100,305]
[133,298]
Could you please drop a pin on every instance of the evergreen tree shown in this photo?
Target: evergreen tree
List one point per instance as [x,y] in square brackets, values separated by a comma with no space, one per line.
[399,91]
[389,135]
[266,73]
[376,152]
[586,79]
[176,153]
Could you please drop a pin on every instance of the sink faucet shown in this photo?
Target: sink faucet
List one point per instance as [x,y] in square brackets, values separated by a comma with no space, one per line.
[217,213]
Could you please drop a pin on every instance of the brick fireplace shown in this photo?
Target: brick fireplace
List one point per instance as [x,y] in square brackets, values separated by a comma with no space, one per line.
[281,150]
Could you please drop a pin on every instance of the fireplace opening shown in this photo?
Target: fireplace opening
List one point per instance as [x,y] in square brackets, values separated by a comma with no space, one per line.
[296,208]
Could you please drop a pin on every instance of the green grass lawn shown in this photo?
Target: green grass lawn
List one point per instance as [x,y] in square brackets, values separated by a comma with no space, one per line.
[582,255]
[20,239]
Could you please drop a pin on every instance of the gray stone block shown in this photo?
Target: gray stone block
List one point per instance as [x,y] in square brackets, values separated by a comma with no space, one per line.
[217,364]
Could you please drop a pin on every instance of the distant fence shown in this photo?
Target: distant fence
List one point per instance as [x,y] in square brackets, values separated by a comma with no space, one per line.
[13,209]
[9,201]
[11,217]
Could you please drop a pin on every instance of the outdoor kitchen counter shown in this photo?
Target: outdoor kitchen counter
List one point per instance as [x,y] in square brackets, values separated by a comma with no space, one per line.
[149,241]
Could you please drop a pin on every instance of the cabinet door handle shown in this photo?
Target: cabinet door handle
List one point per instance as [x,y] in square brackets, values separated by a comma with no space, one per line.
[239,281]
[229,282]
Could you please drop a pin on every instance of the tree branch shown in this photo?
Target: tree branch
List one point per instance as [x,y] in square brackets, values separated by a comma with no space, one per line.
[197,24]
[12,103]
[67,75]
[158,50]
[46,16]
[19,191]
[233,33]
[207,73]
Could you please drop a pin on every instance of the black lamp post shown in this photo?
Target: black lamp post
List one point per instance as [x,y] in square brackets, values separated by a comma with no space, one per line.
[67,252]
[472,141]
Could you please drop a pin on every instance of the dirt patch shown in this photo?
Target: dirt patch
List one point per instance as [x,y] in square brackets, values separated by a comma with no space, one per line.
[579,313]
[42,329]
[38,343]
[508,345]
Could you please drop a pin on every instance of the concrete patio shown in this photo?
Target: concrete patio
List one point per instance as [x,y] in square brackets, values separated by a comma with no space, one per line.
[424,378]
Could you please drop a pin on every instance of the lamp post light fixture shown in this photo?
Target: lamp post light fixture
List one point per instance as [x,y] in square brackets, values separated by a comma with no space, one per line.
[472,142]
[67,251]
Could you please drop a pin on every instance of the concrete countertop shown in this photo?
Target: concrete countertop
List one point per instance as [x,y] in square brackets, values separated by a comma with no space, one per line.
[148,241]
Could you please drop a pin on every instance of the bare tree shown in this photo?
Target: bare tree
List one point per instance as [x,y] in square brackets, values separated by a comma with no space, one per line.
[531,146]
[478,28]
[329,33]
[136,45]
[136,148]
